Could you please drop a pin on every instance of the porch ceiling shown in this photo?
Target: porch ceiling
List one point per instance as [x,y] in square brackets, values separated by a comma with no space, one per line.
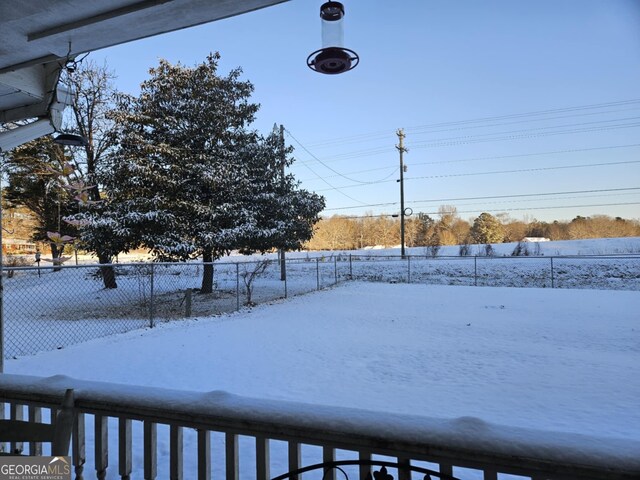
[35,36]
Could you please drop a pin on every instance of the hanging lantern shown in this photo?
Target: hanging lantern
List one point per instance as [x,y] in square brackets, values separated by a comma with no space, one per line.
[332,58]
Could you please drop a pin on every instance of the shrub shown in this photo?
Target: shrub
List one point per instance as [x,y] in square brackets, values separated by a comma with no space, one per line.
[488,250]
[521,249]
[432,250]
[15,261]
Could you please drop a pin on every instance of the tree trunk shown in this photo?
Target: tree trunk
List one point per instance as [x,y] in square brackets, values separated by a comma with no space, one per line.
[207,275]
[56,253]
[108,274]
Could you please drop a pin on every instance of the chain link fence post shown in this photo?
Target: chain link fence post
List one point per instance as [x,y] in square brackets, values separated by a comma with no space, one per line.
[151,317]
[285,280]
[237,286]
[475,270]
[408,268]
[350,268]
[552,279]
[317,273]
[335,270]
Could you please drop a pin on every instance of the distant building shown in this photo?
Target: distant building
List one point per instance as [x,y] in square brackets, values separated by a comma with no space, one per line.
[536,239]
[17,245]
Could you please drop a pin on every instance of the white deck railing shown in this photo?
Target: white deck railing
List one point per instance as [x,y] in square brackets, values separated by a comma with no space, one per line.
[449,444]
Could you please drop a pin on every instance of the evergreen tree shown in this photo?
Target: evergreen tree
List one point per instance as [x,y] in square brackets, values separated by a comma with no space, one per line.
[190,179]
[54,182]
[35,181]
[487,229]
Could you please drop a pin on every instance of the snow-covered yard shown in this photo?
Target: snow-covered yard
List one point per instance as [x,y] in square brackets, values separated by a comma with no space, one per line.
[72,306]
[558,360]
[552,360]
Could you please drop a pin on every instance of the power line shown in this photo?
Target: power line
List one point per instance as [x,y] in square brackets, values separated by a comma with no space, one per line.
[533,113]
[421,132]
[505,209]
[500,202]
[573,150]
[520,134]
[415,129]
[322,163]
[500,157]
[491,197]
[474,139]
[521,170]
[338,174]
[537,129]
[428,130]
[334,188]
[496,172]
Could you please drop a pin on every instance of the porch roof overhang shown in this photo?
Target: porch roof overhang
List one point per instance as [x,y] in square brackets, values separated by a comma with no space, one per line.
[36,38]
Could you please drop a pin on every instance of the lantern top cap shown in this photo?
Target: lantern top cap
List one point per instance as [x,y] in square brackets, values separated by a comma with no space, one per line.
[331,11]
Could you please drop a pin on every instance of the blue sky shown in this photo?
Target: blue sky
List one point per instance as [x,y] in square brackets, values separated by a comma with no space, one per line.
[466,79]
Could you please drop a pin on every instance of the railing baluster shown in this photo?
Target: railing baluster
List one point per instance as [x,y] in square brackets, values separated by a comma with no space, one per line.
[78,445]
[365,470]
[204,455]
[33,405]
[175,452]
[2,444]
[231,456]
[101,446]
[446,469]
[329,455]
[125,462]
[262,458]
[295,454]
[35,416]
[404,473]
[490,474]
[17,413]
[150,450]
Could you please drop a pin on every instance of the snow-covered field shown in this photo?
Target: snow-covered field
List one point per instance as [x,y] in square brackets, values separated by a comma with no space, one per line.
[557,360]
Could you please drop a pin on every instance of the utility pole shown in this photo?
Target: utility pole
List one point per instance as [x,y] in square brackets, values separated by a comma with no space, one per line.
[283,263]
[401,149]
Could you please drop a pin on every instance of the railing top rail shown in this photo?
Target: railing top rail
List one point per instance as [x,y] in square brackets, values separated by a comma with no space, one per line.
[462,440]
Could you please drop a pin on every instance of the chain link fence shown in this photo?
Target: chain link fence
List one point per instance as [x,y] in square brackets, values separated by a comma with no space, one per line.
[49,308]
[607,272]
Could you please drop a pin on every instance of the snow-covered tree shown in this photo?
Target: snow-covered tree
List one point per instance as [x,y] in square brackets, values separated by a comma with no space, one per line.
[191,179]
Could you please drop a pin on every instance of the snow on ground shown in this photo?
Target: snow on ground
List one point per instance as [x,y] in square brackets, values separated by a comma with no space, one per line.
[73,306]
[560,360]
[592,246]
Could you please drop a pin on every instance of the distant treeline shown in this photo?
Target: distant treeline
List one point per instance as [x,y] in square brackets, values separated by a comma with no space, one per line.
[447,228]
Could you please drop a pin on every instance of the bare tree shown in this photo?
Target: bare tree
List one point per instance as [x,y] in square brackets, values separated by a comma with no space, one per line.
[251,271]
[94,97]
